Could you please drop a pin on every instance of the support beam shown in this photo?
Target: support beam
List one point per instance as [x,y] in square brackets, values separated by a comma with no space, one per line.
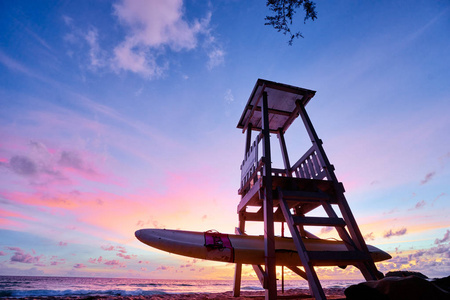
[313,281]
[369,269]
[284,153]
[269,232]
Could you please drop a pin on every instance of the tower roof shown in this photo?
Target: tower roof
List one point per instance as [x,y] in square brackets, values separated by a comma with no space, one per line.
[281,100]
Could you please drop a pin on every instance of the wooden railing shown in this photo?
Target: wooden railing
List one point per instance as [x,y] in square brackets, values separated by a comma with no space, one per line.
[310,166]
[250,165]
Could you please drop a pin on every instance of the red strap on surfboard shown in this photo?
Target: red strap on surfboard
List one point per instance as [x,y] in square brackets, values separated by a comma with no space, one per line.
[215,241]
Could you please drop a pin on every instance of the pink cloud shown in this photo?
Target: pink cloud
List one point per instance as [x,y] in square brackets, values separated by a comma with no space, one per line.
[420,204]
[22,257]
[10,214]
[128,256]
[62,244]
[56,200]
[369,237]
[446,238]
[2,253]
[391,233]
[428,177]
[79,266]
[95,260]
[115,262]
[108,248]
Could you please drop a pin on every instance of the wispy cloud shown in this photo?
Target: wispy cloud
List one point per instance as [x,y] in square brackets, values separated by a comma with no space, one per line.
[428,177]
[446,238]
[392,233]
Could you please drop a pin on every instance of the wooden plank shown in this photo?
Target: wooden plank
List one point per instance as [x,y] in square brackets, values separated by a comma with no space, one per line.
[318,221]
[303,195]
[272,111]
[259,217]
[252,111]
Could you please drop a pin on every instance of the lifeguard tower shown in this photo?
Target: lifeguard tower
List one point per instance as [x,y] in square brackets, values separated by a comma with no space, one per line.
[292,193]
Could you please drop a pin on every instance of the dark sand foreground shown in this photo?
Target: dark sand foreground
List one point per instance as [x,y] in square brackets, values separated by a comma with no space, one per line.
[333,293]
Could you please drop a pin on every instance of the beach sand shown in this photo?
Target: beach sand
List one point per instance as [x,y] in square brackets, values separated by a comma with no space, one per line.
[332,293]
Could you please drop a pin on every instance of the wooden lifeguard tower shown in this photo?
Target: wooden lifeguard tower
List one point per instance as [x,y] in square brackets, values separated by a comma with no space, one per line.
[291,193]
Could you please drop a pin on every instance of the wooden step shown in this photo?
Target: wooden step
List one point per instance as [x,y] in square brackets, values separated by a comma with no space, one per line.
[318,221]
[304,196]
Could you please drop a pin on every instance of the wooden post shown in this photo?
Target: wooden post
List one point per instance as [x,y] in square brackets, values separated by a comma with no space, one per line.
[282,267]
[287,164]
[269,240]
[238,269]
[249,138]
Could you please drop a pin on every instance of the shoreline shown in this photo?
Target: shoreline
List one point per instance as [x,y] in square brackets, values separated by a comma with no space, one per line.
[331,293]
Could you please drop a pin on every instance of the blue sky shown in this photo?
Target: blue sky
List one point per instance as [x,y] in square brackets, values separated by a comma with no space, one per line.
[121,115]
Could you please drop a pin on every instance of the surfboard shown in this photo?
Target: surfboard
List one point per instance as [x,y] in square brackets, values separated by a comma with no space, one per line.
[244,249]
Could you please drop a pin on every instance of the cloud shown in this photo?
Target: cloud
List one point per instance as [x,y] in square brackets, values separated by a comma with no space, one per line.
[2,253]
[446,238]
[369,237]
[22,165]
[427,178]
[391,233]
[229,98]
[95,260]
[420,204]
[62,244]
[42,166]
[108,248]
[216,58]
[126,256]
[115,262]
[95,53]
[54,261]
[325,230]
[153,27]
[79,266]
[73,160]
[120,249]
[22,257]
[163,268]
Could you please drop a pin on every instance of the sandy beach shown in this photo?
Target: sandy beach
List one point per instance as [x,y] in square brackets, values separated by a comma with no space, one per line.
[331,293]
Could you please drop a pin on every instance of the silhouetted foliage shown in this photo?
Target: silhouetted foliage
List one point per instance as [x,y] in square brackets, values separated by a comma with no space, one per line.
[284,10]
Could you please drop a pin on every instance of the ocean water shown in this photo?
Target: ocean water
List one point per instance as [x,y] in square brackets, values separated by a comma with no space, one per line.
[35,286]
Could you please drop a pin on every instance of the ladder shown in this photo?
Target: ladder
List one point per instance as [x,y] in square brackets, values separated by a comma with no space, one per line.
[290,194]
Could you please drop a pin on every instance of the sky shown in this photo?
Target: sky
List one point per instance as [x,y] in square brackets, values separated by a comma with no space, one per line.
[121,115]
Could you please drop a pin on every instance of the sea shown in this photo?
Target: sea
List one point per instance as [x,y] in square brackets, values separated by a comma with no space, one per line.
[46,286]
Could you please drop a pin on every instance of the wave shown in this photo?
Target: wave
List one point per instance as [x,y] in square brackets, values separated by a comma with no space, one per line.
[251,288]
[53,293]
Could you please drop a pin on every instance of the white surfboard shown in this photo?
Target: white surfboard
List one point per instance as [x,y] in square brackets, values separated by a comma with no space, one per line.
[243,249]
